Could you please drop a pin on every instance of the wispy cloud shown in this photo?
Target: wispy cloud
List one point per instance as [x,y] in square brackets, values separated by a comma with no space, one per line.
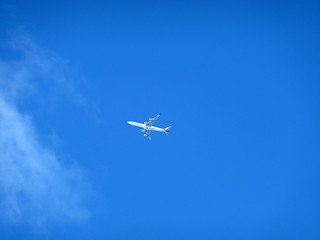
[35,187]
[33,70]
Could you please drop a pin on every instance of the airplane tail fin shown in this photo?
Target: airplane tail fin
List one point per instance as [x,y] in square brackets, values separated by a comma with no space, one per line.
[167,130]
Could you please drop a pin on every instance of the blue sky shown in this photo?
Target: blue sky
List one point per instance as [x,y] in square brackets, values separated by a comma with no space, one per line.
[238,81]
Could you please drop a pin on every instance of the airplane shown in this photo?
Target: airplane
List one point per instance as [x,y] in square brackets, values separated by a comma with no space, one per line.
[147,127]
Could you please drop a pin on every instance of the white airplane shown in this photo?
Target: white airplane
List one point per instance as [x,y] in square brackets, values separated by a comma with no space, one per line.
[147,127]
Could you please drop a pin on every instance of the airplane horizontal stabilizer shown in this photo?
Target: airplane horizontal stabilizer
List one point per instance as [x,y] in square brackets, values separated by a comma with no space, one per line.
[167,130]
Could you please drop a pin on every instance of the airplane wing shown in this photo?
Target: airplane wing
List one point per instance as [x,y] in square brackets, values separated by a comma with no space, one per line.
[152,120]
[148,134]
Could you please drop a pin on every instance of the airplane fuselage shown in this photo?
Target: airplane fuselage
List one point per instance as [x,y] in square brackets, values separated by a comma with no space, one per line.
[145,127]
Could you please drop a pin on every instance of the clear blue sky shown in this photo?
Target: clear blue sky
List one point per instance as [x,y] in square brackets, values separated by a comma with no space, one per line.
[237,80]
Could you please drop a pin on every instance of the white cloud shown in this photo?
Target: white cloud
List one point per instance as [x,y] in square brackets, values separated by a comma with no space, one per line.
[35,70]
[34,186]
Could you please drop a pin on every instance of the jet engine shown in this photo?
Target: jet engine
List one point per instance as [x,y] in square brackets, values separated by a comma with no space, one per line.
[143,130]
[150,119]
[145,135]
